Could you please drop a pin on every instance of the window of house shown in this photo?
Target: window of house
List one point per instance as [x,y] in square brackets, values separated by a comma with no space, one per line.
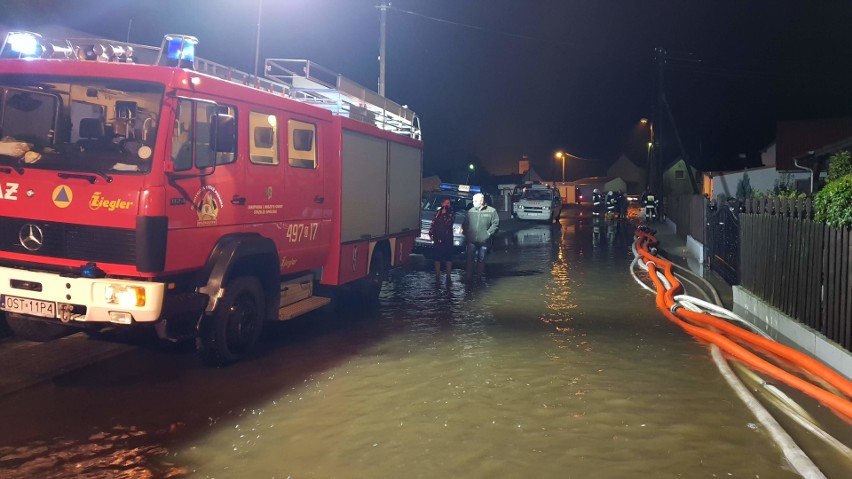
[302,150]
[679,174]
[264,138]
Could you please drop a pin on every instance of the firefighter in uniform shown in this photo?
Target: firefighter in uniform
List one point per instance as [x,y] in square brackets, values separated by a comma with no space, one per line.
[650,202]
[597,203]
[611,204]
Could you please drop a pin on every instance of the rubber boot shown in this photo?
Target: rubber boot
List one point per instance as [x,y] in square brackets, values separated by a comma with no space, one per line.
[480,271]
[449,270]
[437,271]
[468,271]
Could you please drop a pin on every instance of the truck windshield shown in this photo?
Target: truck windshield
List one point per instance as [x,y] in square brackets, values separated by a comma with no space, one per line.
[78,124]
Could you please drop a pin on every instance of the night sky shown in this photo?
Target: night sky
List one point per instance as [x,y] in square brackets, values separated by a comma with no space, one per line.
[493,80]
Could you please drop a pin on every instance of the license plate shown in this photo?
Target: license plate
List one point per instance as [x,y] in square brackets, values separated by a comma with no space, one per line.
[34,307]
[425,236]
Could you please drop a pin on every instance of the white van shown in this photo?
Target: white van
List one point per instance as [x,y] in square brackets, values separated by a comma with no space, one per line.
[538,202]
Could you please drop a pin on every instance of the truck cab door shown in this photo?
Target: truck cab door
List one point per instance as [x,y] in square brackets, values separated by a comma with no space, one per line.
[204,179]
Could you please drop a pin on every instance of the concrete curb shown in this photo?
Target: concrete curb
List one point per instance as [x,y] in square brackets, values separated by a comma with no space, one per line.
[787,330]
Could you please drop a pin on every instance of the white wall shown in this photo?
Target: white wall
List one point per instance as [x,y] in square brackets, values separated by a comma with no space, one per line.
[762,179]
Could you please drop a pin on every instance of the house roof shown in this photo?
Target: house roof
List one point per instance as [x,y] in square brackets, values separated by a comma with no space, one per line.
[797,138]
[594,180]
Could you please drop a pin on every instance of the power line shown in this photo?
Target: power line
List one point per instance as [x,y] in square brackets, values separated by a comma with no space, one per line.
[482,29]
[577,157]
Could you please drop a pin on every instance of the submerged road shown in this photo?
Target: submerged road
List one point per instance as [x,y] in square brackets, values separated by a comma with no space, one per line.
[557,365]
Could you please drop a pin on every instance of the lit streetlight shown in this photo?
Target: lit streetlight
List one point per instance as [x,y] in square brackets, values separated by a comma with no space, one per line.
[654,175]
[469,171]
[561,155]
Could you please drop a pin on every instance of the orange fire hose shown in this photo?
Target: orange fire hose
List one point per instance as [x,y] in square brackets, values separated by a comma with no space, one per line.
[665,301]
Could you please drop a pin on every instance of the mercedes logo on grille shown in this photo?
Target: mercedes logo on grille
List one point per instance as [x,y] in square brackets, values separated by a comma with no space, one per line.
[31,237]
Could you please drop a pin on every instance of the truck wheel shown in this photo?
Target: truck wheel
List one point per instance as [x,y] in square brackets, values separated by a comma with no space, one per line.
[35,330]
[372,285]
[234,328]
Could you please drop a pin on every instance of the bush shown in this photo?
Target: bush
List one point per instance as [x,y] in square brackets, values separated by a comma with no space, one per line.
[833,204]
[839,165]
[784,185]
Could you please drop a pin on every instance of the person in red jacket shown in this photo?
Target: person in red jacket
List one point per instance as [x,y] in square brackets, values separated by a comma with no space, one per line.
[441,233]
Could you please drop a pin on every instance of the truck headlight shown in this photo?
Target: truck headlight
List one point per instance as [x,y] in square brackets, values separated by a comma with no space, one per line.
[124,295]
[457,229]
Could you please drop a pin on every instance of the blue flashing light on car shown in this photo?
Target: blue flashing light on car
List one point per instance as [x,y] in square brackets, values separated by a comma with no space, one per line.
[455,187]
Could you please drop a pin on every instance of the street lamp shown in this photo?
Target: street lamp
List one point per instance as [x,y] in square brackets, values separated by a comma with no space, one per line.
[560,155]
[654,173]
[469,171]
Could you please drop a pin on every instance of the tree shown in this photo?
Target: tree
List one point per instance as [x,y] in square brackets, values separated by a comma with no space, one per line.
[744,189]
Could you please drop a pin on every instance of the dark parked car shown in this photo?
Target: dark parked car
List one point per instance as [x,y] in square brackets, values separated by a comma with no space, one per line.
[461,200]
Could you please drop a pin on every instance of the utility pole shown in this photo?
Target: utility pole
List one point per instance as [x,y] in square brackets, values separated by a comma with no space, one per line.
[257,38]
[655,173]
[383,8]
[662,107]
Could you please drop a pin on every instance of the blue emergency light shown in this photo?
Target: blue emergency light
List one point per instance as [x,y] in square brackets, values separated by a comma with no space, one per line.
[178,50]
[464,188]
[22,45]
[91,270]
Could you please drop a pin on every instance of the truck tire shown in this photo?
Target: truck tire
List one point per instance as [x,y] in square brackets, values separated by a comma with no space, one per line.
[232,331]
[35,330]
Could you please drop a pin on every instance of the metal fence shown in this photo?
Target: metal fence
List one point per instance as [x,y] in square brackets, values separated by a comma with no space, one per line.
[722,239]
[797,265]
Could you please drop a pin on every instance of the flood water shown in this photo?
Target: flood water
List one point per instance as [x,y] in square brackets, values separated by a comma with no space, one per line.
[557,365]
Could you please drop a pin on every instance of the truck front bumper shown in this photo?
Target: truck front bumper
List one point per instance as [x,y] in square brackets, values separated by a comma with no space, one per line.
[96,300]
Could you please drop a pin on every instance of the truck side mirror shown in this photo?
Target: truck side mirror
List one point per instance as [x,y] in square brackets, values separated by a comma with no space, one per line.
[222,133]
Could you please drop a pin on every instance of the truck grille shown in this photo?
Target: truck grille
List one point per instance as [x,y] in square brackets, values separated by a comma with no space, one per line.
[70,241]
[425,225]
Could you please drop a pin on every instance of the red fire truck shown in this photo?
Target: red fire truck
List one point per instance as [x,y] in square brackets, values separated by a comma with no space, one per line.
[145,186]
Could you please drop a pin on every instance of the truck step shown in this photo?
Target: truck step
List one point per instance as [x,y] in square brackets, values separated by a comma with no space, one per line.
[301,307]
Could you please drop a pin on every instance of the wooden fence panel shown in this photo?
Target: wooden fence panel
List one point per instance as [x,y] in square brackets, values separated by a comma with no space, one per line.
[799,266]
[795,292]
[843,287]
[815,293]
[748,257]
[801,273]
[774,240]
[847,334]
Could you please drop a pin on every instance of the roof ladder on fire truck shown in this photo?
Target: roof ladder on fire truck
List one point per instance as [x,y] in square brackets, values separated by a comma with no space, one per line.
[312,83]
[301,80]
